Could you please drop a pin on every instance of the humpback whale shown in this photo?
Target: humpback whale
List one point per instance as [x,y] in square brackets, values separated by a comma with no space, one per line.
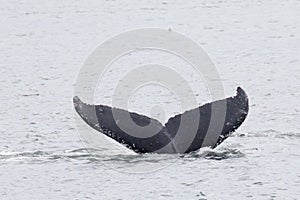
[166,140]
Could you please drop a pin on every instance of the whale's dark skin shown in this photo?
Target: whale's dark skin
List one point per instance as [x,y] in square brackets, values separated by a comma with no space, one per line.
[101,118]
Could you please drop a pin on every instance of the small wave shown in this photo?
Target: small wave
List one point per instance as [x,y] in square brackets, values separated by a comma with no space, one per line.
[134,159]
[224,154]
[216,154]
[269,133]
[266,133]
[93,156]
[289,135]
[11,155]
[86,155]
[42,155]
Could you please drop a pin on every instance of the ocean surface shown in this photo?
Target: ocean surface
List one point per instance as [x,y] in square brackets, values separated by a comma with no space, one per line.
[253,44]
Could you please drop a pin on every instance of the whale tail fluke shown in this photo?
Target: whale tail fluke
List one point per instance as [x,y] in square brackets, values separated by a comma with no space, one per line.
[234,109]
[87,113]
[237,109]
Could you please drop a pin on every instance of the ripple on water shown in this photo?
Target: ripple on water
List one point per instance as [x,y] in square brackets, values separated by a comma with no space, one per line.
[270,133]
[216,154]
[104,157]
[42,156]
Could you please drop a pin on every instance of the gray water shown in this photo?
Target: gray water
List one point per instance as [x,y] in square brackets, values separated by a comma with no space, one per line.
[254,44]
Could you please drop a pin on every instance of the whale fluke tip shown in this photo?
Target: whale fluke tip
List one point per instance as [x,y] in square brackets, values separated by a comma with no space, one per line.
[239,90]
[78,104]
[241,93]
[76,99]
